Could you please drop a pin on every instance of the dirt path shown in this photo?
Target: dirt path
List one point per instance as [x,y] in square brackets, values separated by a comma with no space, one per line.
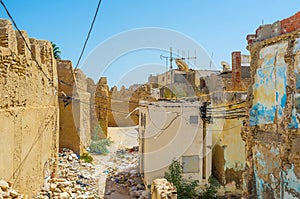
[122,137]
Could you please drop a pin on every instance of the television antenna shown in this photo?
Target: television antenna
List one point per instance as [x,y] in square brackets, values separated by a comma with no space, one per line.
[171,58]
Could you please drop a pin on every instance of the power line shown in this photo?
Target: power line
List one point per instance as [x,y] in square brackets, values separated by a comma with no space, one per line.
[100,96]
[226,106]
[68,98]
[88,35]
[26,44]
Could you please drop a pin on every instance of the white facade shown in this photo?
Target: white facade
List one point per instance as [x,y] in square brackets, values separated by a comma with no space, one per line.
[173,131]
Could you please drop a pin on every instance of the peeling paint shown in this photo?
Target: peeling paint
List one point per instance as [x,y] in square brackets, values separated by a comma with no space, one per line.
[266,171]
[280,87]
[259,184]
[270,86]
[295,115]
[294,120]
[260,159]
[291,183]
[259,114]
[275,151]
[297,46]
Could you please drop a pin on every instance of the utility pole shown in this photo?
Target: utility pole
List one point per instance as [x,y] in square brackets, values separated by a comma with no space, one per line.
[203,114]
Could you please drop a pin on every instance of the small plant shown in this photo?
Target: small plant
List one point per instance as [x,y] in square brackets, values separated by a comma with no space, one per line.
[210,190]
[86,157]
[100,147]
[185,189]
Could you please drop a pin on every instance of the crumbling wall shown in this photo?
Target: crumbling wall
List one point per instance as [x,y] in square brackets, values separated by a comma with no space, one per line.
[125,102]
[102,104]
[228,154]
[272,132]
[96,131]
[75,108]
[84,124]
[28,110]
[68,135]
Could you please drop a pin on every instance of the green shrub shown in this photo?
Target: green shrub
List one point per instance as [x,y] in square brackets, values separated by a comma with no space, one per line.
[86,157]
[210,190]
[186,189]
[100,147]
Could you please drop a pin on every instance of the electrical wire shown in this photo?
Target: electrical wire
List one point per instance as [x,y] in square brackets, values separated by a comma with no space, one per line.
[88,35]
[97,95]
[229,105]
[68,98]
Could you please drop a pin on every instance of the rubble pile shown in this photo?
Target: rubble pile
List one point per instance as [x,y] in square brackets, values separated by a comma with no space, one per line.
[131,180]
[7,192]
[75,179]
[162,188]
[123,160]
[122,171]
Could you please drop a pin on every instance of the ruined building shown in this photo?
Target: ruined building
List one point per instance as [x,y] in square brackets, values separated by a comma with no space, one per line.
[226,93]
[125,102]
[29,112]
[75,124]
[102,105]
[272,132]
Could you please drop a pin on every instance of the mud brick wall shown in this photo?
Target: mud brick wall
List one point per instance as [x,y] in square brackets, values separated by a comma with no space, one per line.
[102,105]
[74,108]
[272,132]
[28,110]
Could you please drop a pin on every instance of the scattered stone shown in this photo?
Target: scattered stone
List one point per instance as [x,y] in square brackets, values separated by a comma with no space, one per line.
[4,185]
[14,194]
[6,191]
[64,195]
[74,180]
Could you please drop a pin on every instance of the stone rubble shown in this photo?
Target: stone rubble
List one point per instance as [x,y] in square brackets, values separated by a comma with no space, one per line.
[163,188]
[78,179]
[6,191]
[75,179]
[122,170]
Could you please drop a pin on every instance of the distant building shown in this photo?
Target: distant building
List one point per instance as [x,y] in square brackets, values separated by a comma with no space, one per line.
[173,130]
[180,83]
[235,79]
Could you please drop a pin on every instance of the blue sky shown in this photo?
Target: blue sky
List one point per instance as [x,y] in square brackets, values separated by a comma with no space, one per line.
[219,26]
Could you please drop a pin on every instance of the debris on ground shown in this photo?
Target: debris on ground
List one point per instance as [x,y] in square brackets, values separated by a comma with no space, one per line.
[7,192]
[123,176]
[76,179]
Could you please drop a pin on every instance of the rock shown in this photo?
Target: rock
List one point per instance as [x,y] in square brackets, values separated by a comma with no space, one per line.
[57,190]
[134,194]
[13,193]
[4,185]
[64,195]
[53,187]
[221,192]
[140,187]
[64,184]
[146,194]
[70,158]
[73,155]
[133,189]
[81,197]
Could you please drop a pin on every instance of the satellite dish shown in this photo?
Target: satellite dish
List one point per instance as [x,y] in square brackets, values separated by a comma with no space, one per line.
[226,66]
[181,65]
